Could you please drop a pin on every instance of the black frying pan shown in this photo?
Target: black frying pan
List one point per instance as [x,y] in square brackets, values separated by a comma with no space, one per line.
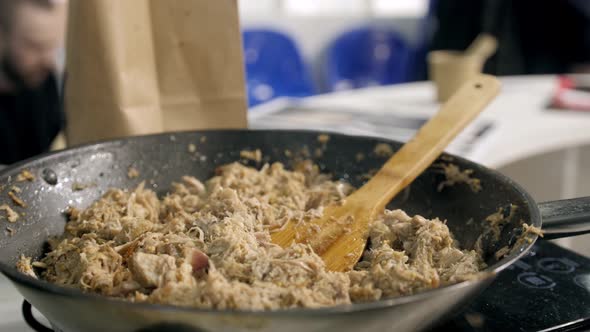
[163,158]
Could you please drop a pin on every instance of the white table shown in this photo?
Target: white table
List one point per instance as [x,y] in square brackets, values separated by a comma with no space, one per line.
[11,319]
[523,127]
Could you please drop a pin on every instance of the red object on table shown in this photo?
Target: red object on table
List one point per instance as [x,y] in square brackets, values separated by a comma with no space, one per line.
[571,94]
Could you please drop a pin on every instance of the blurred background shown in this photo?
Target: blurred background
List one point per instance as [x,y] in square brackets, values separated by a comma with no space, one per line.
[357,43]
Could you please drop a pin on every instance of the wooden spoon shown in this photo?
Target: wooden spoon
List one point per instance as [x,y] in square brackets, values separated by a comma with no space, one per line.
[340,235]
[483,46]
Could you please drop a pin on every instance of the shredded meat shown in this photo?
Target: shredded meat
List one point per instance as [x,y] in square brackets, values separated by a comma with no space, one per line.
[323,138]
[383,150]
[498,220]
[17,200]
[208,245]
[10,231]
[524,238]
[502,252]
[25,175]
[192,148]
[11,215]
[454,176]
[255,155]
[79,186]
[24,266]
[132,172]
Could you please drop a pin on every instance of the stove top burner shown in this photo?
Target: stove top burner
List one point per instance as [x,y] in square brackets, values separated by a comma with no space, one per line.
[548,290]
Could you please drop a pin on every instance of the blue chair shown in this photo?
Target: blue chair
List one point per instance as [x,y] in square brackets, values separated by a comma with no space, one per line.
[274,67]
[367,56]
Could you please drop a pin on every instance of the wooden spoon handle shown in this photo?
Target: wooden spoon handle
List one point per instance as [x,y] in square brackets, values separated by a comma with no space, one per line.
[428,143]
[483,46]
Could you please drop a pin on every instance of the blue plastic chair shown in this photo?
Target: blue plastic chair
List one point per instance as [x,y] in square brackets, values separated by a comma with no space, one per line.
[367,56]
[274,67]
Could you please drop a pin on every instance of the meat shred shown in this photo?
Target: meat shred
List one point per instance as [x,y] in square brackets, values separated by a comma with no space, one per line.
[208,245]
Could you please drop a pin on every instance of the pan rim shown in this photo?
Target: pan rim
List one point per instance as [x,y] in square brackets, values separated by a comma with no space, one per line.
[490,272]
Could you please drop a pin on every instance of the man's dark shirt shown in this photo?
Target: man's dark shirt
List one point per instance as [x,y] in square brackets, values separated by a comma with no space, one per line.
[29,121]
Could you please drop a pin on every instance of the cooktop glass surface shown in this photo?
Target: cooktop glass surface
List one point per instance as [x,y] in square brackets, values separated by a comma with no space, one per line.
[548,290]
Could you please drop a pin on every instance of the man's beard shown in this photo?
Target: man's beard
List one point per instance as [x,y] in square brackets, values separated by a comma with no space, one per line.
[11,73]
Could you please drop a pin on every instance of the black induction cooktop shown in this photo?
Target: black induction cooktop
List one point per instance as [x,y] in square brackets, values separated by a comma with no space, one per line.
[548,290]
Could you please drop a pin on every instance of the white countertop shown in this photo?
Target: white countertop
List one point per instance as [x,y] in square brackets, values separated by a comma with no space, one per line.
[11,319]
[522,125]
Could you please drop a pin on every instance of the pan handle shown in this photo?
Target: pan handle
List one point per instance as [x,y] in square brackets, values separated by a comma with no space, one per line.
[566,217]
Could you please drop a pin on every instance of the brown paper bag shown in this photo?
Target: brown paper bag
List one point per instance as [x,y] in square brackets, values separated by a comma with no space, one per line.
[145,66]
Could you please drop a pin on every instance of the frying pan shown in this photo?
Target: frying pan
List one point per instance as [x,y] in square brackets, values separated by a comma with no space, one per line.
[164,158]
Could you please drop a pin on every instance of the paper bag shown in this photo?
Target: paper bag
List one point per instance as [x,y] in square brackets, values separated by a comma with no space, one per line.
[146,66]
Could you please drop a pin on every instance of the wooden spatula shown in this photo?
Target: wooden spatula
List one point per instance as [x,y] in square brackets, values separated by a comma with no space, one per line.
[340,235]
[483,46]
